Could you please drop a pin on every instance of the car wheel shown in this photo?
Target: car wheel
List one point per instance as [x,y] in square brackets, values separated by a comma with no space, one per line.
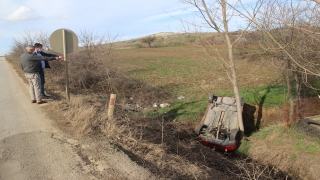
[212,98]
[309,127]
[234,134]
[198,129]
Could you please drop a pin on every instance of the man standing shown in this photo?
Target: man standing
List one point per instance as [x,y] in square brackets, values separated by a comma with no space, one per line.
[44,64]
[30,65]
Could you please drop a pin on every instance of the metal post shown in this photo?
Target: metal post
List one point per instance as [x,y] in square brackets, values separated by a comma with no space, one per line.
[65,63]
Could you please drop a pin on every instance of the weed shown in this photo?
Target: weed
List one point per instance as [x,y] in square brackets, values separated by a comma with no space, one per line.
[293,157]
[304,145]
[265,132]
[244,148]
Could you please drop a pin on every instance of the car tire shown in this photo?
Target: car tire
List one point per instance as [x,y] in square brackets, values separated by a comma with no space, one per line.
[212,98]
[235,135]
[309,127]
[199,128]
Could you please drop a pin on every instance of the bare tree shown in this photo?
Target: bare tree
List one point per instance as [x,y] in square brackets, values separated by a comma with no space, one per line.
[29,38]
[18,48]
[90,42]
[94,60]
[148,40]
[97,46]
[317,1]
[290,31]
[216,16]
[298,16]
[43,38]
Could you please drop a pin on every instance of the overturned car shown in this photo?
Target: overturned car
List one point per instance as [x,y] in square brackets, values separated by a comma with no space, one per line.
[219,128]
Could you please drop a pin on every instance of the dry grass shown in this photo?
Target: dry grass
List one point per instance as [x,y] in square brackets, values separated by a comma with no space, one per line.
[187,67]
[84,118]
[169,149]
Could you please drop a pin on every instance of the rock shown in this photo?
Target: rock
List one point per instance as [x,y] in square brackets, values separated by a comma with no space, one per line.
[164,105]
[181,97]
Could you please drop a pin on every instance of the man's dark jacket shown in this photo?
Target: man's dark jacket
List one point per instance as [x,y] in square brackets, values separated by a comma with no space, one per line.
[29,62]
[46,63]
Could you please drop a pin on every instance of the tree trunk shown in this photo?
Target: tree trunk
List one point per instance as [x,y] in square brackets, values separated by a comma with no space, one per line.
[289,94]
[297,98]
[235,87]
[232,67]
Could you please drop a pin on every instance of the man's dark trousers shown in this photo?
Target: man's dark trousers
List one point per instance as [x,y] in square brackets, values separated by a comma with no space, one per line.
[41,72]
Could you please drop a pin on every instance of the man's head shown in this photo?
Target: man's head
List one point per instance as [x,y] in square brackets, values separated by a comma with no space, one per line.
[30,48]
[37,47]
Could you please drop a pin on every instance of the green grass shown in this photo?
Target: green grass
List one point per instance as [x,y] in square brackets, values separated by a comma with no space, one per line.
[265,132]
[192,107]
[244,147]
[288,137]
[300,145]
[292,139]
[315,83]
[187,71]
[182,110]
[302,142]
[293,157]
[267,95]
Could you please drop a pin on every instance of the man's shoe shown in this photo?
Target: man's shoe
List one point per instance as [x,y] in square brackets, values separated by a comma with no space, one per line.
[46,97]
[33,101]
[41,102]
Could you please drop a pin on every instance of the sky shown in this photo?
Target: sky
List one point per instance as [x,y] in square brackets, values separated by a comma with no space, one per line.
[126,19]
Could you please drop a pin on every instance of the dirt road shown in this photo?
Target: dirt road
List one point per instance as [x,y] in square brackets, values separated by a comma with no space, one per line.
[32,148]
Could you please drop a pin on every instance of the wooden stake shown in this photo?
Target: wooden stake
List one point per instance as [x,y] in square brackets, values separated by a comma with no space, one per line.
[111,105]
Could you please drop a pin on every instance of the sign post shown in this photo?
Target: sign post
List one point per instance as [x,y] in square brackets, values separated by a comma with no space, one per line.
[66,63]
[64,41]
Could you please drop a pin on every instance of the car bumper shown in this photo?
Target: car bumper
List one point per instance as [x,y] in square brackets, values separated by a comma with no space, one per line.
[222,145]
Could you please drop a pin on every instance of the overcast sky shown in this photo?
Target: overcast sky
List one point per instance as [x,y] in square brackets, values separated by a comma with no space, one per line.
[126,19]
